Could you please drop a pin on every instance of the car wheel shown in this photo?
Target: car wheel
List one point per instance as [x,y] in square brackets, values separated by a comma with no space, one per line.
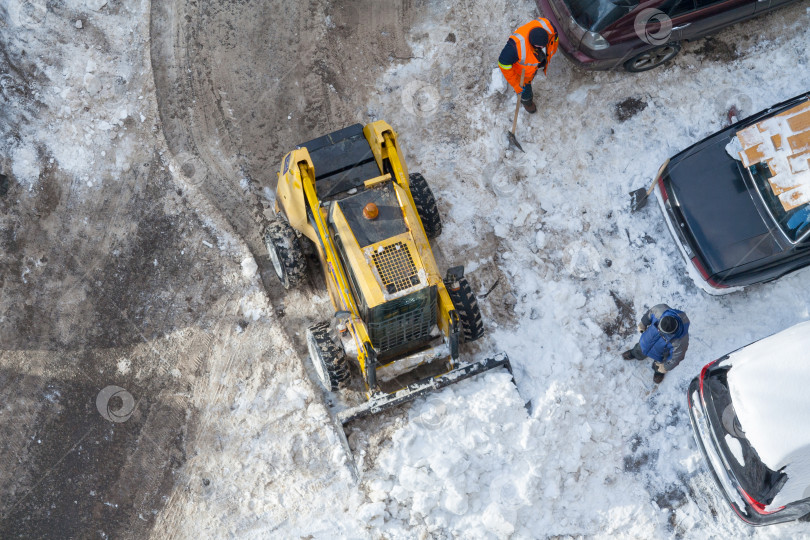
[652,58]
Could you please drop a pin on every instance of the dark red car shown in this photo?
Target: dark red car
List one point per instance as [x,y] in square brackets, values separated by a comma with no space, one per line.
[641,35]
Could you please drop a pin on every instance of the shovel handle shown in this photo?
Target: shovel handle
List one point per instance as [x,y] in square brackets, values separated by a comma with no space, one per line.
[652,186]
[517,105]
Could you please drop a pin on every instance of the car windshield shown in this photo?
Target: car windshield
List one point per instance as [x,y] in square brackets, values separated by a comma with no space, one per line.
[596,15]
[761,483]
[795,223]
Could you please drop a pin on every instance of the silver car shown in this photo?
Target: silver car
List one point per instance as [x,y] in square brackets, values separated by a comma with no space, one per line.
[749,411]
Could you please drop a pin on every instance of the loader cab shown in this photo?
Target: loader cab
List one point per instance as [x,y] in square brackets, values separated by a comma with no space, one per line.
[387,278]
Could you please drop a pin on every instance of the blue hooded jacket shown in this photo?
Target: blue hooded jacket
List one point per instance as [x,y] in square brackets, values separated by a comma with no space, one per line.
[669,349]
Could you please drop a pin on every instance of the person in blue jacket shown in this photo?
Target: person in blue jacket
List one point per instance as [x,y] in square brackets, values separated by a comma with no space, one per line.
[664,339]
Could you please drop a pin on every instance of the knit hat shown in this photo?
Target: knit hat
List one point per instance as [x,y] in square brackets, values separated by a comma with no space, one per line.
[668,324]
[538,37]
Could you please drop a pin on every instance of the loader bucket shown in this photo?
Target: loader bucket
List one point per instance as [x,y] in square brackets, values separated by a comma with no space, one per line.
[382,402]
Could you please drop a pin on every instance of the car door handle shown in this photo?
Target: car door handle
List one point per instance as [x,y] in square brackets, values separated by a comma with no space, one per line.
[681,27]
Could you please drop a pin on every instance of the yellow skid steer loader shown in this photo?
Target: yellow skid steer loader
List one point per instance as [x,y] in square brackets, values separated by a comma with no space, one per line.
[350,194]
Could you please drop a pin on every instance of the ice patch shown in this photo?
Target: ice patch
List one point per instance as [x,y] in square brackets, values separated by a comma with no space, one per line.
[249,267]
[123,366]
[25,166]
[497,84]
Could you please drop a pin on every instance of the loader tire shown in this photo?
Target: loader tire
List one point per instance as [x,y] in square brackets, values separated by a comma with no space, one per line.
[466,306]
[327,357]
[425,205]
[285,252]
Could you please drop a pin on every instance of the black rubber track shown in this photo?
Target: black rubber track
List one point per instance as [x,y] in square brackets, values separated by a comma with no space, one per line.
[426,205]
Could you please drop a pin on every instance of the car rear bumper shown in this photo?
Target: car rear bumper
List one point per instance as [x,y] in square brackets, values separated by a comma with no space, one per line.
[712,457]
[680,241]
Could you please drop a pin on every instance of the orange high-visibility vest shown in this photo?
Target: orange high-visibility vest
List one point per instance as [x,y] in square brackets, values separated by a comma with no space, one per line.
[528,61]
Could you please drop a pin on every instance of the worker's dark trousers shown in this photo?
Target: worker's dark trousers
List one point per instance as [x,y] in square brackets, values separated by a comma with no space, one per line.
[638,355]
[636,352]
[527,96]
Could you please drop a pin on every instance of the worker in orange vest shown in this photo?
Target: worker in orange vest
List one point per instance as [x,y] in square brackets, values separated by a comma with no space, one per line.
[530,47]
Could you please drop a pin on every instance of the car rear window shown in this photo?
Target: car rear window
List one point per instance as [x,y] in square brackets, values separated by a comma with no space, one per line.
[795,223]
[761,483]
[596,15]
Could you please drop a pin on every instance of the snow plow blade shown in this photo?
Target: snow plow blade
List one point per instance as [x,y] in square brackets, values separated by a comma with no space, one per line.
[382,402]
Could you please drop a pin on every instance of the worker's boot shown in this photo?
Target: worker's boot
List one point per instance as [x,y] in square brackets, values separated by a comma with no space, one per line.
[529,106]
[658,377]
[628,355]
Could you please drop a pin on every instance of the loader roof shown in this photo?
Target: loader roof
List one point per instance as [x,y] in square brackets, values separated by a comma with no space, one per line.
[342,160]
[380,254]
[389,223]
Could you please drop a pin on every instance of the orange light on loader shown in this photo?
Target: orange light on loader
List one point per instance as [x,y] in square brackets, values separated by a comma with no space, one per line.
[370,211]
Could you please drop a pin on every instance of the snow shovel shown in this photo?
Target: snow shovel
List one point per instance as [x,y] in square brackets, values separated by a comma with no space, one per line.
[638,197]
[511,134]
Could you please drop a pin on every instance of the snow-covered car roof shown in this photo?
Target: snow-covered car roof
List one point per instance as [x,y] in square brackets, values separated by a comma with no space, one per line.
[769,383]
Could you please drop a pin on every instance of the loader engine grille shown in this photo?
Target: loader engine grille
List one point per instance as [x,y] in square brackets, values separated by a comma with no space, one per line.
[404,321]
[395,266]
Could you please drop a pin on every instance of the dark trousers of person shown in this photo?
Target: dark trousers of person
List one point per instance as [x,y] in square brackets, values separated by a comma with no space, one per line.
[636,352]
[527,96]
[638,355]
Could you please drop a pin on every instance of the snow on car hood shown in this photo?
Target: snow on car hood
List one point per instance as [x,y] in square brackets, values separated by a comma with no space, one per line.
[769,388]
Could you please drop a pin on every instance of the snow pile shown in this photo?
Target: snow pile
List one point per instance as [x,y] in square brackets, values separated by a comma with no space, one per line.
[249,267]
[472,464]
[768,384]
[26,165]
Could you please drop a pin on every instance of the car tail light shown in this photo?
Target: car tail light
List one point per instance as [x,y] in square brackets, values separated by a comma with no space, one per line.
[758,506]
[705,274]
[703,375]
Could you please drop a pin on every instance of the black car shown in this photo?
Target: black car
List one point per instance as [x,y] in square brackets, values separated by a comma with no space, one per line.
[748,412]
[729,224]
